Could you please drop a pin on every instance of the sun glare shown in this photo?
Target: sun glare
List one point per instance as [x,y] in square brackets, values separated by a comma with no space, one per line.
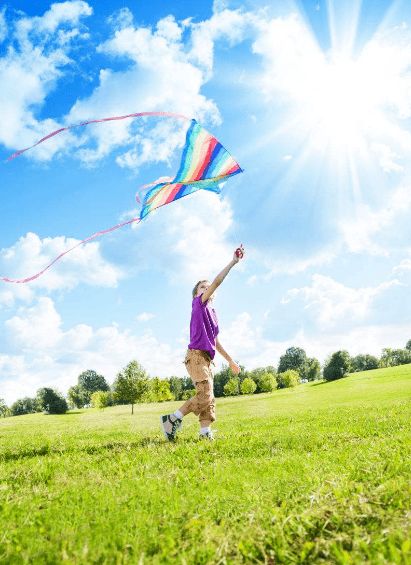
[343,102]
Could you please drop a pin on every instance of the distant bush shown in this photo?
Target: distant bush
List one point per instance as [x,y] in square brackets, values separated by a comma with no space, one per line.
[264,378]
[51,401]
[393,357]
[288,379]
[232,387]
[221,379]
[159,391]
[337,366]
[294,358]
[101,399]
[248,386]
[363,362]
[311,371]
[267,382]
[78,397]
[4,410]
[24,406]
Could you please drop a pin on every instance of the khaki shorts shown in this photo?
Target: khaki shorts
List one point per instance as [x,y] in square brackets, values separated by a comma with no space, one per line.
[198,365]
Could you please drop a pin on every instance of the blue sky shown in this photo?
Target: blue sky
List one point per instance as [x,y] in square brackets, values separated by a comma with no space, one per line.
[311,97]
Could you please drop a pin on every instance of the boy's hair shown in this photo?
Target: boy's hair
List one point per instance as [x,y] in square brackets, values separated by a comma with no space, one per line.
[196,287]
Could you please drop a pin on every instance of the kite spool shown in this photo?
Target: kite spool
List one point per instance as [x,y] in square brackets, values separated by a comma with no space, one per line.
[240,251]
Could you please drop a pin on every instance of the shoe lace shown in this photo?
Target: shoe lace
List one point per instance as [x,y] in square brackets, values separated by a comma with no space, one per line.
[175,426]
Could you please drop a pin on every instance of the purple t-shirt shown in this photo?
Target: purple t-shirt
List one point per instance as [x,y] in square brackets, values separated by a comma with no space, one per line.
[203,327]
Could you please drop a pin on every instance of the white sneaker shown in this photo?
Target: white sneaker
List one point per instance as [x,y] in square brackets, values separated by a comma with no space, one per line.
[170,427]
[208,435]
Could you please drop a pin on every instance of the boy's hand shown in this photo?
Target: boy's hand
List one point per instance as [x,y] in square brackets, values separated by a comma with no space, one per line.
[234,367]
[238,253]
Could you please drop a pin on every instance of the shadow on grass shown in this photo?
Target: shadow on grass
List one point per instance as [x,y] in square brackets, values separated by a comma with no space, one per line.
[112,446]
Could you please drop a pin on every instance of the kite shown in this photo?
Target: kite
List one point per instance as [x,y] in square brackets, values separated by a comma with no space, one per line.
[204,164]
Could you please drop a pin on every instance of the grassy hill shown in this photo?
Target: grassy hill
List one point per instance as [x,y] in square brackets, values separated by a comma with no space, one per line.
[318,474]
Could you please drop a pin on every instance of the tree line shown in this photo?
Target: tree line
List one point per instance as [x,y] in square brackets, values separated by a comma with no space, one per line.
[134,385]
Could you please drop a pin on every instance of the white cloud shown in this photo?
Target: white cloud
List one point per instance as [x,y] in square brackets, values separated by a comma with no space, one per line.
[30,254]
[387,158]
[362,339]
[404,266]
[359,233]
[35,59]
[3,25]
[9,294]
[58,14]
[293,266]
[231,25]
[194,243]
[145,316]
[244,339]
[289,54]
[241,337]
[198,236]
[37,327]
[121,19]
[160,77]
[52,356]
[331,301]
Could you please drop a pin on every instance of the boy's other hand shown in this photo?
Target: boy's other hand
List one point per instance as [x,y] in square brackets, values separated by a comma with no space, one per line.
[234,367]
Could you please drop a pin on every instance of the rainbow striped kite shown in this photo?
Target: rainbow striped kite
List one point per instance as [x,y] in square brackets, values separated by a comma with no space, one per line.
[204,164]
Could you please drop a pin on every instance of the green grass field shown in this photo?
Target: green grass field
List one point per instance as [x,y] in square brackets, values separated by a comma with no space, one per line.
[318,474]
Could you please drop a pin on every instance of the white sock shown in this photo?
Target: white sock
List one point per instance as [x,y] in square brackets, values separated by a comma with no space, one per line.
[177,414]
[204,431]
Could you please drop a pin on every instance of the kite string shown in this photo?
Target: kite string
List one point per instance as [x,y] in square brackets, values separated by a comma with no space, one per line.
[87,240]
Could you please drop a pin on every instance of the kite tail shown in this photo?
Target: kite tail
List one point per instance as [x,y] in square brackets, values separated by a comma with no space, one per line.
[87,240]
[111,119]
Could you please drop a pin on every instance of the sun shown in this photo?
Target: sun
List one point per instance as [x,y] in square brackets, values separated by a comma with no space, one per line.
[345,102]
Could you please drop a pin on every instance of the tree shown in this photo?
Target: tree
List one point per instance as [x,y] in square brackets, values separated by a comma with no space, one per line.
[3,408]
[337,366]
[23,406]
[265,381]
[408,346]
[101,399]
[294,358]
[131,385]
[393,357]
[89,381]
[363,362]
[264,378]
[51,401]
[311,370]
[159,391]
[231,388]
[78,397]
[221,379]
[288,379]
[248,386]
[176,387]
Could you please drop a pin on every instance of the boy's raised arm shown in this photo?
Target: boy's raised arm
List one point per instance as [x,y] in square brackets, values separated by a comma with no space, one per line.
[238,254]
